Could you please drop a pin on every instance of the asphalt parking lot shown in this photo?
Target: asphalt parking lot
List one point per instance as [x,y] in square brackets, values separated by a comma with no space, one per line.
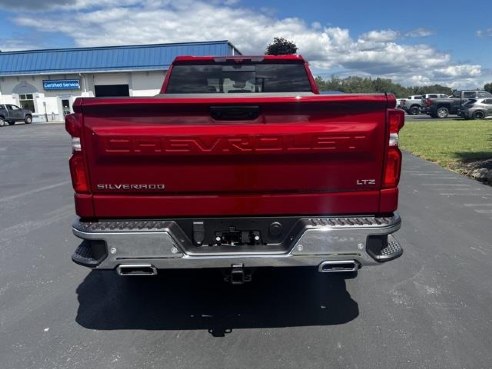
[429,309]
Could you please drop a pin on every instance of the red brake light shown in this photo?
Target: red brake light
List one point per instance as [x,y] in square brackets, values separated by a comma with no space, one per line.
[396,119]
[392,168]
[392,164]
[78,172]
[73,125]
[79,176]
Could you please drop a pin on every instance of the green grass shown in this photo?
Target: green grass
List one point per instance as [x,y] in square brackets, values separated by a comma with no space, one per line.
[450,143]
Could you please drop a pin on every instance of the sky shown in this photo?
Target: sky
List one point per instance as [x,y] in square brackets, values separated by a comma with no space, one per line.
[413,43]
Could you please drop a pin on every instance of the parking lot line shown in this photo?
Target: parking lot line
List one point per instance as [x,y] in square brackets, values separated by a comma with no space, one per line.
[27,193]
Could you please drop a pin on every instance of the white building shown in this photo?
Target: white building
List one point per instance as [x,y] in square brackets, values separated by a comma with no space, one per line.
[48,81]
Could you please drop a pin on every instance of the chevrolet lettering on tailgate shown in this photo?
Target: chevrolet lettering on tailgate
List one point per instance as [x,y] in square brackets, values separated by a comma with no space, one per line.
[237,144]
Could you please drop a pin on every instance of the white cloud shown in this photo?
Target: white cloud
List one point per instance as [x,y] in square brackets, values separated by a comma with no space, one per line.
[380,36]
[29,4]
[14,44]
[485,32]
[376,53]
[460,71]
[419,32]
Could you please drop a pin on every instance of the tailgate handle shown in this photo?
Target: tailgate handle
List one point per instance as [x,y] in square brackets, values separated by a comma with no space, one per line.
[250,112]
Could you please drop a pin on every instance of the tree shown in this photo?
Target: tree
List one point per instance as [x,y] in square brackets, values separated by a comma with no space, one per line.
[321,83]
[356,84]
[488,87]
[281,46]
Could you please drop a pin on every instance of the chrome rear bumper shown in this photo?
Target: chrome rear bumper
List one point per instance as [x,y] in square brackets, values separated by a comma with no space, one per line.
[162,244]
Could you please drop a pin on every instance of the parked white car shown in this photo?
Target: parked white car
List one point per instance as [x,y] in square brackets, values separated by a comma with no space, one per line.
[412,104]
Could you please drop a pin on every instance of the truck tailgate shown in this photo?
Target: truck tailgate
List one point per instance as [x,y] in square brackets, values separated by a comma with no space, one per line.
[228,156]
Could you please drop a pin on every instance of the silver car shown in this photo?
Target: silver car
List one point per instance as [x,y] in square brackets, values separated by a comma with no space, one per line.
[477,108]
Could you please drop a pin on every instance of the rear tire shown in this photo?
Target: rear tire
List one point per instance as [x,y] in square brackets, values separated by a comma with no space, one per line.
[28,119]
[478,115]
[442,112]
[2,122]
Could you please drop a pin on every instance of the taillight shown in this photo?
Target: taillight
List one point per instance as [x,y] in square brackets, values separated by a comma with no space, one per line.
[392,168]
[73,125]
[396,119]
[392,163]
[78,171]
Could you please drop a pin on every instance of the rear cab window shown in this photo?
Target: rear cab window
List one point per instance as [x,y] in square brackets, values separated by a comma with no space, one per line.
[232,77]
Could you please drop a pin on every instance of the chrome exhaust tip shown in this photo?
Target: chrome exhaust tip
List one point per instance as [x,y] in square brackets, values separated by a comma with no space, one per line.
[136,269]
[338,266]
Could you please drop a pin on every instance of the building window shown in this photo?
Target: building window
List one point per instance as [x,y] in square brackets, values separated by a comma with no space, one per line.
[27,102]
[112,90]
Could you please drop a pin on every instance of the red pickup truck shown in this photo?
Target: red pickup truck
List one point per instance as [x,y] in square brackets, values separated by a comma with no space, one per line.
[238,163]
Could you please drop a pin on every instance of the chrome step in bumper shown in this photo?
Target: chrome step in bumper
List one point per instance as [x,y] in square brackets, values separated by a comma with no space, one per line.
[162,244]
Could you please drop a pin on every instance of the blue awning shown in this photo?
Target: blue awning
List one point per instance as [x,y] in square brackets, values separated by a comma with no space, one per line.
[106,59]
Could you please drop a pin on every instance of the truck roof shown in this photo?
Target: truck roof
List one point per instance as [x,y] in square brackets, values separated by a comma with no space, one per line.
[239,58]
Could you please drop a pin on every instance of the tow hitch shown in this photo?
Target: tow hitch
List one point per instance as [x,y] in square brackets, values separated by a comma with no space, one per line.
[238,274]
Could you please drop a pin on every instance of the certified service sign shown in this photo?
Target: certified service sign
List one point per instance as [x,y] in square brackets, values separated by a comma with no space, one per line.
[61,84]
